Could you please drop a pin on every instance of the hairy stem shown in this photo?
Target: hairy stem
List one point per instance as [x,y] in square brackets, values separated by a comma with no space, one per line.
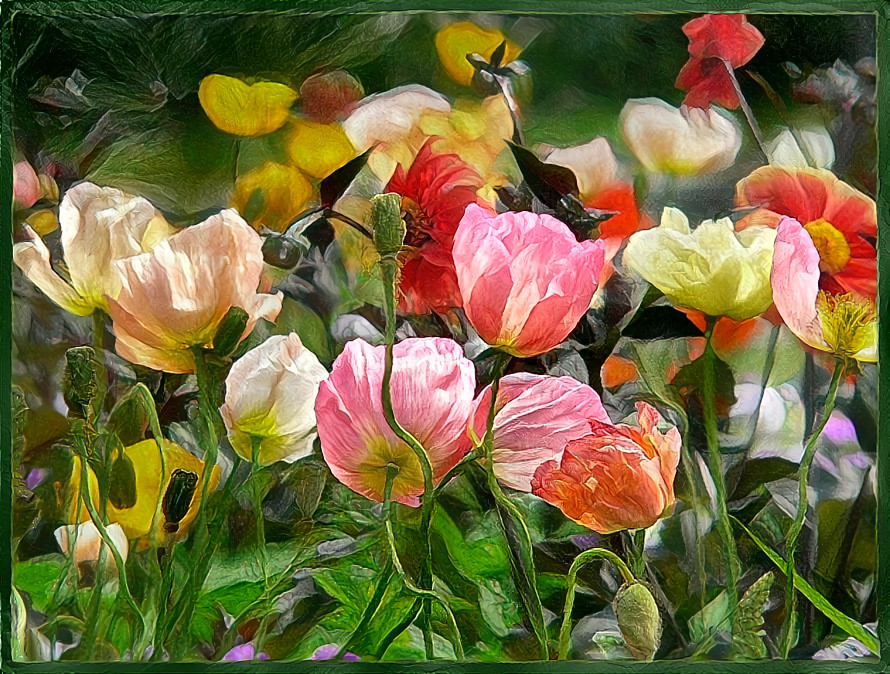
[565,631]
[789,625]
[709,405]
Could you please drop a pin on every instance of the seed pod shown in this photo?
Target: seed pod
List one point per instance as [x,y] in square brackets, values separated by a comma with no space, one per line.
[178,498]
[638,620]
[387,223]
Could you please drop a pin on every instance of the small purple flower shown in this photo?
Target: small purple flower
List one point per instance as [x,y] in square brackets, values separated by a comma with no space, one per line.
[244,652]
[329,652]
[35,477]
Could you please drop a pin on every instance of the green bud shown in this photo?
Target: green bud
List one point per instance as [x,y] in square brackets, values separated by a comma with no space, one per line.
[79,385]
[638,620]
[228,334]
[178,498]
[387,224]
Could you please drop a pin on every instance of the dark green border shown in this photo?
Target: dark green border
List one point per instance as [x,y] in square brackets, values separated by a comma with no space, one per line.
[880,8]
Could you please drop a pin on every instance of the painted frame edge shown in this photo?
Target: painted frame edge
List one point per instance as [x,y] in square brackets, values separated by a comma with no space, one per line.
[97,8]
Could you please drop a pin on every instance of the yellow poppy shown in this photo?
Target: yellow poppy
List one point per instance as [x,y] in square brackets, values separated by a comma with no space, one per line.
[245,109]
[271,196]
[318,149]
[455,41]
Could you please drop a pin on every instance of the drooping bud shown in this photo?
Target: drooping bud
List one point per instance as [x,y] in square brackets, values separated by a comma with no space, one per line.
[638,620]
[79,384]
[388,226]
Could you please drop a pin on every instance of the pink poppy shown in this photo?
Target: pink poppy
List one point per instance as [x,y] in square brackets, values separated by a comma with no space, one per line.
[536,417]
[433,388]
[822,316]
[524,278]
[616,477]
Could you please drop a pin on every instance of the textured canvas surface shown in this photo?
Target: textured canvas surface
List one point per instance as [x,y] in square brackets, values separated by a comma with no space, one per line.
[434,336]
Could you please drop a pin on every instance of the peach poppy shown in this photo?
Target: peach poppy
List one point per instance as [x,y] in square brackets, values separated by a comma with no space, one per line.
[524,278]
[616,477]
[433,386]
[841,221]
[175,297]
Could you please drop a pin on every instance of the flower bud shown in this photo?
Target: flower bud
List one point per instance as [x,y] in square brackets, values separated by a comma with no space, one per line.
[79,384]
[230,331]
[638,620]
[387,223]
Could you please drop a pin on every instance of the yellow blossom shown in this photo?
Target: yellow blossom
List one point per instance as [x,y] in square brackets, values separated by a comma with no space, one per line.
[245,109]
[456,41]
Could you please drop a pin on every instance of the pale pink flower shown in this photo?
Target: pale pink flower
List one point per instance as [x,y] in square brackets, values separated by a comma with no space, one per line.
[432,386]
[175,297]
[89,543]
[536,416]
[616,477]
[819,312]
[524,278]
[25,185]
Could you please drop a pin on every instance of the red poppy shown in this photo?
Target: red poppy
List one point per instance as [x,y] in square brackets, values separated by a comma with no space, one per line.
[841,220]
[716,42]
[723,36]
[435,192]
[707,81]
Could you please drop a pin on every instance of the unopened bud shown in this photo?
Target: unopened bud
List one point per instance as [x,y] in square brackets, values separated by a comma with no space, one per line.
[638,620]
[228,334]
[79,384]
[387,223]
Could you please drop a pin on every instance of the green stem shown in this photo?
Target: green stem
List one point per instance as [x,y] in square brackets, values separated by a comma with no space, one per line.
[257,489]
[535,610]
[424,593]
[789,625]
[389,268]
[639,551]
[746,110]
[202,544]
[709,407]
[565,631]
[92,634]
[124,587]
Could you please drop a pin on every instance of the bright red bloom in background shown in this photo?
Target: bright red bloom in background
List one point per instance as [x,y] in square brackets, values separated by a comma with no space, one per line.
[841,220]
[435,192]
[715,41]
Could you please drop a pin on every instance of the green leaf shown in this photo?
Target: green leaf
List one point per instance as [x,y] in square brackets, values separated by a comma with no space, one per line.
[38,577]
[549,182]
[233,598]
[747,632]
[846,623]
[297,317]
[184,172]
[335,184]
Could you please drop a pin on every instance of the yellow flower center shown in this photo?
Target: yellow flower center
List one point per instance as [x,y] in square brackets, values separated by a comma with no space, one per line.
[380,454]
[834,251]
[849,322]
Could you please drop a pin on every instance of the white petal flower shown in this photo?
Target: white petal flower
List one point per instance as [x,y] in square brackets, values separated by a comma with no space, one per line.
[270,396]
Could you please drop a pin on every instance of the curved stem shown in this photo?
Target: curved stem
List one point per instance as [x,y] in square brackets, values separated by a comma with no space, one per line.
[389,266]
[424,593]
[582,559]
[124,587]
[709,408]
[789,625]
[535,611]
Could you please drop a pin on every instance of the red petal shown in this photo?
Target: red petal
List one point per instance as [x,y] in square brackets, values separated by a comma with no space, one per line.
[723,36]
[707,82]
